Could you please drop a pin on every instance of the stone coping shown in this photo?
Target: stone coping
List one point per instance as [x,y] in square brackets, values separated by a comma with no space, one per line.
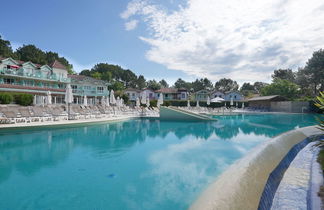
[66,122]
[242,184]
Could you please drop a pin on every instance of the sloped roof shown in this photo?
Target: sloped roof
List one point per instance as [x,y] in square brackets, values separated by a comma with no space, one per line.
[217,91]
[19,62]
[182,89]
[132,89]
[268,98]
[149,89]
[201,91]
[232,91]
[167,90]
[82,78]
[56,64]
[31,63]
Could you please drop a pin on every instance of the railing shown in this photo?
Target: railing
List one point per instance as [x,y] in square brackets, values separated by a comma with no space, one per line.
[89,92]
[55,86]
[20,73]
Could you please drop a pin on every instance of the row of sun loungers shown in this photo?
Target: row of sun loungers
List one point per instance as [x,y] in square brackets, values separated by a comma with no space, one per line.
[19,114]
[207,110]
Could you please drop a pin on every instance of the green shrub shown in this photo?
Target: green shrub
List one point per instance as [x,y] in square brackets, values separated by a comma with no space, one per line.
[125,98]
[166,103]
[6,98]
[24,99]
[153,103]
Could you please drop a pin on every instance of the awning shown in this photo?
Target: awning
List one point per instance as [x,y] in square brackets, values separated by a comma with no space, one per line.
[14,66]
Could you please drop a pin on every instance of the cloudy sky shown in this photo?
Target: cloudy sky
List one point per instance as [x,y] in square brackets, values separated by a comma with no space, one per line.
[240,39]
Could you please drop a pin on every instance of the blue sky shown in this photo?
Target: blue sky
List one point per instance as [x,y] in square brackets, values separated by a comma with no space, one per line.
[84,31]
[242,40]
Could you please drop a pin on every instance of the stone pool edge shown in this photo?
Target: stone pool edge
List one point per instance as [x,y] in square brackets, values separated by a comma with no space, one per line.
[242,184]
[66,123]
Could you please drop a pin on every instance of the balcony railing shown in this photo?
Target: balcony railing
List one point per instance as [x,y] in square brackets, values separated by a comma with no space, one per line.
[89,92]
[21,83]
[21,73]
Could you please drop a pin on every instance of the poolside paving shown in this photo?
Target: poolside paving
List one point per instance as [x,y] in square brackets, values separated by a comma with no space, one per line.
[294,189]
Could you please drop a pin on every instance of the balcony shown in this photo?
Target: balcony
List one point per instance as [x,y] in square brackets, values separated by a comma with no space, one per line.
[38,76]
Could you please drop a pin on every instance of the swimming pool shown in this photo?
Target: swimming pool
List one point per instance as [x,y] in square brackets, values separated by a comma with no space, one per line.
[135,164]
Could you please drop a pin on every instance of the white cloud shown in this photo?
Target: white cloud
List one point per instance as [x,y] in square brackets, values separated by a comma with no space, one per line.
[244,40]
[78,67]
[15,45]
[131,25]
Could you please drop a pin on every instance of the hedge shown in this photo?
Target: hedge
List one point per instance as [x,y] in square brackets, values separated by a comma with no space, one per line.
[153,103]
[6,98]
[23,99]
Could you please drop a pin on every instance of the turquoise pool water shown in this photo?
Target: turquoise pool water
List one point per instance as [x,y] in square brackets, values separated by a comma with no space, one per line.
[136,164]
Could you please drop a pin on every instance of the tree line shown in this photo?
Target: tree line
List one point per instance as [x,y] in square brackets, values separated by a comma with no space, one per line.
[305,82]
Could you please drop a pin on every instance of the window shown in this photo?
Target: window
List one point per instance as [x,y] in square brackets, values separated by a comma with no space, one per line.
[74,87]
[87,87]
[100,89]
[234,96]
[133,94]
[183,95]
[166,95]
[8,81]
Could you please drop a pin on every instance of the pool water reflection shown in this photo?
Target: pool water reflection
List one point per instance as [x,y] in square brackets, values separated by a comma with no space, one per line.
[136,164]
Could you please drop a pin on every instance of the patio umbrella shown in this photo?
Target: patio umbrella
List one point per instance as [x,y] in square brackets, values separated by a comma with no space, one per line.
[122,102]
[68,97]
[160,100]
[49,97]
[232,103]
[242,105]
[118,101]
[35,100]
[188,103]
[85,100]
[143,99]
[217,100]
[208,100]
[68,94]
[103,100]
[147,102]
[107,101]
[41,98]
[236,104]
[112,99]
[138,103]
[197,105]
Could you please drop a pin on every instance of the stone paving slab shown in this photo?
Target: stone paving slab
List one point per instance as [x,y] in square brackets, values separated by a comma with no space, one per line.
[293,189]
